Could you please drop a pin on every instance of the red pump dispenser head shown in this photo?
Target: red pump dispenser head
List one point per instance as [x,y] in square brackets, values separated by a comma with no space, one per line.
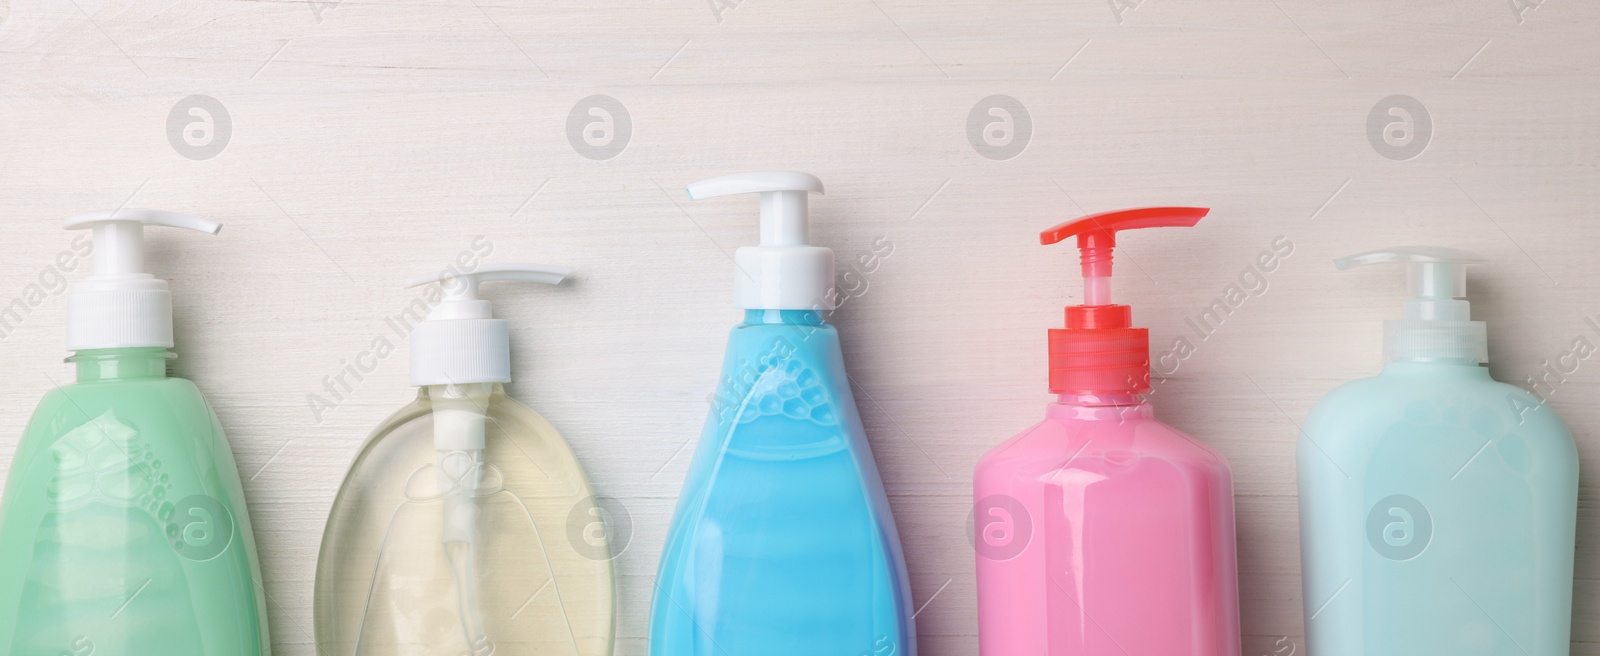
[1100,352]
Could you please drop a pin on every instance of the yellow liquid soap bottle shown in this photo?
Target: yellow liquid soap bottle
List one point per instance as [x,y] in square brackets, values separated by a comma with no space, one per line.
[453,533]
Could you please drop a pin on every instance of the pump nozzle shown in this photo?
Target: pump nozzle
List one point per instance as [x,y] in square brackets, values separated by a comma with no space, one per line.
[1097,238]
[458,352]
[1436,324]
[121,305]
[1100,352]
[1431,271]
[461,342]
[785,272]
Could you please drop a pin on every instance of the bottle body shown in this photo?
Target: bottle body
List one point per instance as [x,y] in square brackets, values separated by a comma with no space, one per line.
[1101,531]
[124,528]
[465,526]
[1437,515]
[782,541]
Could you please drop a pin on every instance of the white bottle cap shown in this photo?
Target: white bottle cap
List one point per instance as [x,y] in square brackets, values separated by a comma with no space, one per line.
[1436,323]
[785,272]
[461,342]
[120,305]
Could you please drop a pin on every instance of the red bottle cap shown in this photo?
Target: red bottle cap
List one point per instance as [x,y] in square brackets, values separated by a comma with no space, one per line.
[1100,352]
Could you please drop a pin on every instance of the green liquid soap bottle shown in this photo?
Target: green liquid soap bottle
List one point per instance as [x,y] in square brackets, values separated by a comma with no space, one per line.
[123,528]
[465,526]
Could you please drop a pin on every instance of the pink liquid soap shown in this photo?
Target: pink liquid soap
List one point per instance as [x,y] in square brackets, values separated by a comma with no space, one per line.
[1102,531]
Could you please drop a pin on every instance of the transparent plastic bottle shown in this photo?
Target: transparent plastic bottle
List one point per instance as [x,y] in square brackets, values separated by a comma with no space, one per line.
[465,526]
[521,586]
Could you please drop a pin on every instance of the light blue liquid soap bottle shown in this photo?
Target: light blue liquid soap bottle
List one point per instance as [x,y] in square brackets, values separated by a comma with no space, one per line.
[782,542]
[1437,506]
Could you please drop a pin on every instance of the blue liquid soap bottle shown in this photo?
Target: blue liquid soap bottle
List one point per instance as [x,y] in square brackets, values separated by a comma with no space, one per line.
[1437,506]
[782,542]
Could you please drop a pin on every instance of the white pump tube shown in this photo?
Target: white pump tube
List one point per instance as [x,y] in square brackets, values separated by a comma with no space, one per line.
[120,305]
[785,272]
[119,248]
[784,218]
[461,342]
[459,416]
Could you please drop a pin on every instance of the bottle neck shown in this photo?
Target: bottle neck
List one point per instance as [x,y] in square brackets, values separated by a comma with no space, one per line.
[438,393]
[1092,407]
[785,317]
[1467,367]
[121,363]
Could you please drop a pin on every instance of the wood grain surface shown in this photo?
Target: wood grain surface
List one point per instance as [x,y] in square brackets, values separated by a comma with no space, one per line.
[360,142]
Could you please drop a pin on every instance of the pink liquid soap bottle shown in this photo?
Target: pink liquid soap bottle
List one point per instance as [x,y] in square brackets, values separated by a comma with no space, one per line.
[1102,531]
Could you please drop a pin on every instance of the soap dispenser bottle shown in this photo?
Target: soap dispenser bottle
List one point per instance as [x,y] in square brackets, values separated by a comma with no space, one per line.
[1437,506]
[782,542]
[465,525]
[1101,531]
[124,528]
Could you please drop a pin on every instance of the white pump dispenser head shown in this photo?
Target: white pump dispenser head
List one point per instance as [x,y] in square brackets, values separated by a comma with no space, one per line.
[461,342]
[120,305]
[785,272]
[1437,321]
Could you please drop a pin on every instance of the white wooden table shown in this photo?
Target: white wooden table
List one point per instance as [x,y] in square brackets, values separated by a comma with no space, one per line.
[348,145]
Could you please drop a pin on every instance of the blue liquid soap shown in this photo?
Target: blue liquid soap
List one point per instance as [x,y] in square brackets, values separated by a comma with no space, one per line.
[782,542]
